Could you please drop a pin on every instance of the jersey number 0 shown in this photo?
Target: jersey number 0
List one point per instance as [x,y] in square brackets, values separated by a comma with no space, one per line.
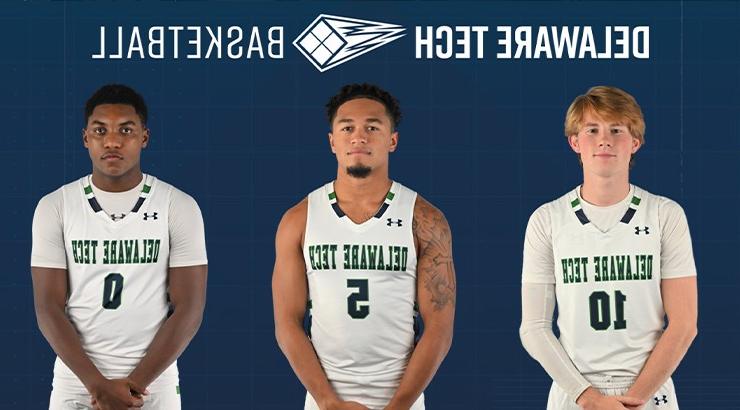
[112,289]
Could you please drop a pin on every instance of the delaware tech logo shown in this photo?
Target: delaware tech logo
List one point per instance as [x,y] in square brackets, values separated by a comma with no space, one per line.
[332,40]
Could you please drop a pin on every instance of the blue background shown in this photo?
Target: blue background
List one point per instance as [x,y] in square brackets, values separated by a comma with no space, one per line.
[481,139]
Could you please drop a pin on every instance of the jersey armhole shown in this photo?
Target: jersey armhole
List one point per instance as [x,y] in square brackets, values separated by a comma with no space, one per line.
[306,226]
[414,198]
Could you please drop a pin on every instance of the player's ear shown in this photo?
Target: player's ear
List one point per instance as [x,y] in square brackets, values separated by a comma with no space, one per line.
[636,144]
[394,141]
[145,137]
[331,142]
[573,142]
[84,137]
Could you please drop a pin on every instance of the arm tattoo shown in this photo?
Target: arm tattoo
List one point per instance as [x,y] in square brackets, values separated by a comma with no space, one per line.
[435,266]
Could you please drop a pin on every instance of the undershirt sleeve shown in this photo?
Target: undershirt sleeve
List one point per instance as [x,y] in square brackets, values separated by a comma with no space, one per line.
[538,306]
[538,339]
[537,262]
[47,249]
[676,254]
[187,234]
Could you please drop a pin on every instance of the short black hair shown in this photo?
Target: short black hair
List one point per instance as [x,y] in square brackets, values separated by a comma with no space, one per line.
[364,90]
[117,94]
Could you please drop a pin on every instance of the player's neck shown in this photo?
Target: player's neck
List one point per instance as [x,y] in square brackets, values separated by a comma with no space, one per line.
[120,183]
[604,191]
[373,188]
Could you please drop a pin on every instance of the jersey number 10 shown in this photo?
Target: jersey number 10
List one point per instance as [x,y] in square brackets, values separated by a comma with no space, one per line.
[600,307]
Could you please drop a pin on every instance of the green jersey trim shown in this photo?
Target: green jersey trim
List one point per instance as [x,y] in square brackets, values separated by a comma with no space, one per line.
[384,207]
[143,195]
[578,210]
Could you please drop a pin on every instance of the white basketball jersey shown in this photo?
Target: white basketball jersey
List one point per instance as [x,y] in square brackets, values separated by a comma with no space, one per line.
[610,310]
[362,290]
[117,273]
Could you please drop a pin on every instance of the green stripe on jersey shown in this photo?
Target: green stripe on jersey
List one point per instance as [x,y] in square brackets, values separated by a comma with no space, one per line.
[332,196]
[636,200]
[146,189]
[88,190]
[390,195]
[178,389]
[574,203]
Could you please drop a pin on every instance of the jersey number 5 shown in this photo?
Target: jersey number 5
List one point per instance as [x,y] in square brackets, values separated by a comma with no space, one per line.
[354,310]
[600,307]
[112,289]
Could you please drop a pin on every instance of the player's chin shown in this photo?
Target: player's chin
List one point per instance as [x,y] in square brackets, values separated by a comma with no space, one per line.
[607,172]
[114,170]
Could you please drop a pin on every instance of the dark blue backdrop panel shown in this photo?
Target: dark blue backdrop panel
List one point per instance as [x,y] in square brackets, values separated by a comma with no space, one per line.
[482,139]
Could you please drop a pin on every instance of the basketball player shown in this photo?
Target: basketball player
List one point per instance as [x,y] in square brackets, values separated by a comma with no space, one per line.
[358,253]
[615,259]
[119,269]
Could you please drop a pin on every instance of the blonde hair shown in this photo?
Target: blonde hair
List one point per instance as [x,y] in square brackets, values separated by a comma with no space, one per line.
[609,103]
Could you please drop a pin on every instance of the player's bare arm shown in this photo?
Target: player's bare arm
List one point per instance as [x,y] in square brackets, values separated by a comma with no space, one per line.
[187,291]
[289,297]
[680,305]
[50,297]
[436,292]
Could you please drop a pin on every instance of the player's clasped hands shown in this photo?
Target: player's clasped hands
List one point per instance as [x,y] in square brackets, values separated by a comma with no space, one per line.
[345,405]
[593,400]
[117,394]
[616,403]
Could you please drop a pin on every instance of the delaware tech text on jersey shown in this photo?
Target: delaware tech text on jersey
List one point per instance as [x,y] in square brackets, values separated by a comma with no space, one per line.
[127,251]
[366,257]
[608,268]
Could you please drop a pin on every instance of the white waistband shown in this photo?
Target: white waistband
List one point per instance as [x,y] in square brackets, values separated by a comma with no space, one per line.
[603,381]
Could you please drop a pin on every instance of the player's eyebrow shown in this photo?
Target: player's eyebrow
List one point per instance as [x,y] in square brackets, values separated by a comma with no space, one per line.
[590,124]
[374,120]
[346,120]
[99,122]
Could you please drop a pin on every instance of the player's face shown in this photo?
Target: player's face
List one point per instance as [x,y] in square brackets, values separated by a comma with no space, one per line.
[114,137]
[605,146]
[362,136]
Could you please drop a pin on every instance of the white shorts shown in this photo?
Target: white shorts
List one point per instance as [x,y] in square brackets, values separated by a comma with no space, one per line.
[663,399]
[371,397]
[166,399]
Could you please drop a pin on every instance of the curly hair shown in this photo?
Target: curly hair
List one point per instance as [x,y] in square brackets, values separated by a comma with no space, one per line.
[364,90]
[117,94]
